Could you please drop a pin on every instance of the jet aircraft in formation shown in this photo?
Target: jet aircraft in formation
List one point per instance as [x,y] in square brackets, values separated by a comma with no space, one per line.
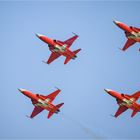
[132,34]
[59,48]
[42,102]
[125,102]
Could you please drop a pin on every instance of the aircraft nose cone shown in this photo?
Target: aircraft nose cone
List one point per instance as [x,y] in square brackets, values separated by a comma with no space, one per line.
[38,35]
[107,90]
[116,22]
[21,90]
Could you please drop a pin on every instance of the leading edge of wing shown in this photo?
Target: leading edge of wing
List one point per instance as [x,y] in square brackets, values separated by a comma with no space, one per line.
[128,43]
[120,110]
[53,95]
[36,111]
[70,41]
[52,57]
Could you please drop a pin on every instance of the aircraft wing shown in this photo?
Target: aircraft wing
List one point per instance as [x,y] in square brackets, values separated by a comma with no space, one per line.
[36,111]
[120,110]
[53,95]
[52,57]
[70,40]
[128,43]
[136,95]
[137,29]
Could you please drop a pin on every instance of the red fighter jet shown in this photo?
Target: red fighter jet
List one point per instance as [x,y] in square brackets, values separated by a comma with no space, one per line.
[132,34]
[59,48]
[42,102]
[125,102]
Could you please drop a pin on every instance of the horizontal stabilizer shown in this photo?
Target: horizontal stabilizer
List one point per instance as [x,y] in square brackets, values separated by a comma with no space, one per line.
[134,113]
[76,51]
[50,114]
[54,110]
[67,60]
[59,105]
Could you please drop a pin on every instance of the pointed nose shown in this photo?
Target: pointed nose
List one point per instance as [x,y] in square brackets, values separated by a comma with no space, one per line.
[39,35]
[21,90]
[107,90]
[116,22]
[113,93]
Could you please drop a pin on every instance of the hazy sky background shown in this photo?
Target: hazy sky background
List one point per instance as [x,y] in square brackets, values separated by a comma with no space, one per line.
[100,64]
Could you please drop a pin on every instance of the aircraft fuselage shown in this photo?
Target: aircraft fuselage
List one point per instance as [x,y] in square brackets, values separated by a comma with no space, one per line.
[124,100]
[38,100]
[131,32]
[57,46]
[135,36]
[129,103]
[63,50]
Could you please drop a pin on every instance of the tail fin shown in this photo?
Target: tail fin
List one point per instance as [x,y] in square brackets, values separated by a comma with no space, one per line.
[54,110]
[76,51]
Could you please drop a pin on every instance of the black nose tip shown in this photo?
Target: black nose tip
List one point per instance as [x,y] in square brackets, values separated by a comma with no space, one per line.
[106,90]
[19,89]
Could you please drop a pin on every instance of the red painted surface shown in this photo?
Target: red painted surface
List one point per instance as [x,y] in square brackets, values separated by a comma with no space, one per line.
[125,102]
[65,45]
[46,100]
[132,34]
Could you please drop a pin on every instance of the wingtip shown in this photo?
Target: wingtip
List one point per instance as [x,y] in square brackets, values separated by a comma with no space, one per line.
[65,63]
[121,49]
[58,88]
[75,34]
[113,116]
[44,62]
[28,117]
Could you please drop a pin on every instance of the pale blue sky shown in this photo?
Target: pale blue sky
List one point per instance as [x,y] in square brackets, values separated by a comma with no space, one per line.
[100,64]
